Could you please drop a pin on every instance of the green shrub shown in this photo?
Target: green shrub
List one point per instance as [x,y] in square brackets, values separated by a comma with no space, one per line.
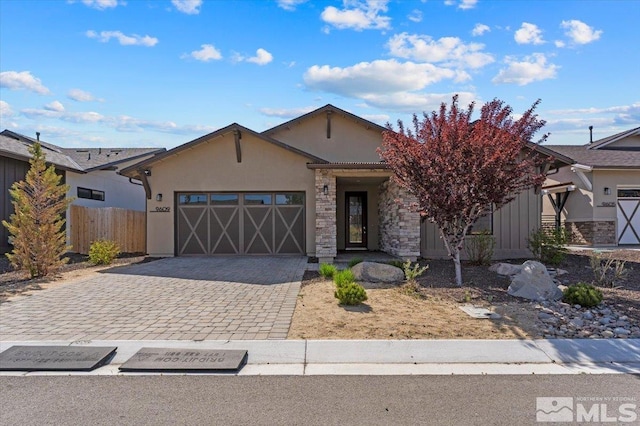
[343,278]
[548,246]
[350,294]
[396,263]
[480,247]
[327,270]
[102,252]
[582,294]
[411,273]
[353,262]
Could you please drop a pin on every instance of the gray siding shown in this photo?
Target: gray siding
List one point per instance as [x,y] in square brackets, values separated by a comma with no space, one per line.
[512,224]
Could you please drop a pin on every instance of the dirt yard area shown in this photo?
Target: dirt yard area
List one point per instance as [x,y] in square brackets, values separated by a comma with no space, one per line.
[390,313]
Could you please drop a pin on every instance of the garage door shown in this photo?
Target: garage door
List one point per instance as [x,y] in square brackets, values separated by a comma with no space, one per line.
[629,216]
[240,223]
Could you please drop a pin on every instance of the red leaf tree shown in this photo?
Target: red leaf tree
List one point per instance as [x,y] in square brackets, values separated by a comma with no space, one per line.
[458,168]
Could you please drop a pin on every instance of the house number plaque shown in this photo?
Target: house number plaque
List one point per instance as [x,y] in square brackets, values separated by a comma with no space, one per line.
[161,210]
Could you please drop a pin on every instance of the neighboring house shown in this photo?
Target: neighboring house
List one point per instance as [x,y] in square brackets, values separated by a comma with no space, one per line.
[314,185]
[91,173]
[597,197]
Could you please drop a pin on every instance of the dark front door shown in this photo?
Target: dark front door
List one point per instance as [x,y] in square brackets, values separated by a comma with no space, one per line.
[356,214]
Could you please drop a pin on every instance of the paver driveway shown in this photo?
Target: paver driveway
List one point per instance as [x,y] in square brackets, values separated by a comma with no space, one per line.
[215,298]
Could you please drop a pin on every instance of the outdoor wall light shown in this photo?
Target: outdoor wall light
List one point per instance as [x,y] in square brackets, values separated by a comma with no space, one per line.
[325,189]
[607,190]
[158,197]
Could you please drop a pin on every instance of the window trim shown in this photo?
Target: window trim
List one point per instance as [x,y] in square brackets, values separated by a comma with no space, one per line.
[94,194]
[490,230]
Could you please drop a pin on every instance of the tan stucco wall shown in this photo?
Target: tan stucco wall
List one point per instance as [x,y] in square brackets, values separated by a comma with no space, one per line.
[212,166]
[512,225]
[584,205]
[350,141]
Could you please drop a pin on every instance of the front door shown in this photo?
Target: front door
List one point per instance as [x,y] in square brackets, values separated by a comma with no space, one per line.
[356,214]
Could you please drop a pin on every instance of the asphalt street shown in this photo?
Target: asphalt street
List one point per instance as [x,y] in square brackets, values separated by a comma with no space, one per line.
[300,400]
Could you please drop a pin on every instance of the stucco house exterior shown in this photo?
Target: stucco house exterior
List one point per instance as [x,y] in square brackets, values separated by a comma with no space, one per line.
[314,186]
[91,173]
[597,196]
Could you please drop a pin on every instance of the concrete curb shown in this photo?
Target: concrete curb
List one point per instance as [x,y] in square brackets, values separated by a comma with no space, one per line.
[395,357]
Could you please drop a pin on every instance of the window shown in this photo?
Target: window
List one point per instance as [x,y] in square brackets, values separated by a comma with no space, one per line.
[257,199]
[628,193]
[289,199]
[483,224]
[224,199]
[91,194]
[191,199]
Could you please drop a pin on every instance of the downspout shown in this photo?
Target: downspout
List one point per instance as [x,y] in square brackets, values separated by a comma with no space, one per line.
[145,182]
[134,183]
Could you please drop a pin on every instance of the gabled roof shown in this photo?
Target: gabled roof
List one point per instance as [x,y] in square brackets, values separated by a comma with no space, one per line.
[599,158]
[324,110]
[105,158]
[74,159]
[220,132]
[19,149]
[601,143]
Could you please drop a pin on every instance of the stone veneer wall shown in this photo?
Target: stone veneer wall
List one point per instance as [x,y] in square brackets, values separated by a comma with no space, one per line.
[326,239]
[592,232]
[399,227]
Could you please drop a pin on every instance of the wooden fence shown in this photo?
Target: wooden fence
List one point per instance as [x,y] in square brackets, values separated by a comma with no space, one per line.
[125,227]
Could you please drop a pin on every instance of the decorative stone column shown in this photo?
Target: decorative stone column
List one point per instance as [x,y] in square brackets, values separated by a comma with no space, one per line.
[326,210]
[399,225]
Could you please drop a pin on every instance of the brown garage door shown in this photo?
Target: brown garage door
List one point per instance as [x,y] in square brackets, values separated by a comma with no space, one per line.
[240,223]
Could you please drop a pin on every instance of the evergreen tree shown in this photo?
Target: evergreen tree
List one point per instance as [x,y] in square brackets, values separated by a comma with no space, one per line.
[36,226]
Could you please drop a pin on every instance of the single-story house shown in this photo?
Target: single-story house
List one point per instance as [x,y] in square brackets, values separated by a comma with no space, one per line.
[314,185]
[91,173]
[597,197]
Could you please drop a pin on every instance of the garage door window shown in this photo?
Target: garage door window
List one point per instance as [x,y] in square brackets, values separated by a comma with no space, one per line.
[257,199]
[289,199]
[192,199]
[224,199]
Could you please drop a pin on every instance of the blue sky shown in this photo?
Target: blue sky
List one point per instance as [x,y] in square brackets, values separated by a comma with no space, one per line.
[163,72]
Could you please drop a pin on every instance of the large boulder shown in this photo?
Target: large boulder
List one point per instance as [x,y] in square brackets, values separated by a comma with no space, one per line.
[505,268]
[534,283]
[377,273]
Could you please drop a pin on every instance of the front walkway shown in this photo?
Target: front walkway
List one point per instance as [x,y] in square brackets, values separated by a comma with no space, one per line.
[218,298]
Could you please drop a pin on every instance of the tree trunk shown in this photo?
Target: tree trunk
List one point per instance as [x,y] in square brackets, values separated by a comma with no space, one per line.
[456,261]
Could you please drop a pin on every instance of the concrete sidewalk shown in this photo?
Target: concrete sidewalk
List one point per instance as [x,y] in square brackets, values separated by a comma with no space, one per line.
[395,357]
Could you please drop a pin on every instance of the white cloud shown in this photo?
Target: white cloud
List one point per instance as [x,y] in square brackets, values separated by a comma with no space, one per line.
[290,4]
[462,4]
[54,106]
[15,80]
[262,57]
[5,109]
[125,40]
[100,4]
[480,29]
[358,15]
[80,96]
[448,50]
[559,43]
[620,114]
[286,112]
[381,119]
[579,32]
[380,77]
[532,68]
[415,15]
[71,117]
[190,7]
[207,53]
[415,102]
[528,34]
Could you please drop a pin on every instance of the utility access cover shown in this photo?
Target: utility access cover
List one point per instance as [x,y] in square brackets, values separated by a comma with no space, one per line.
[164,359]
[479,313]
[55,358]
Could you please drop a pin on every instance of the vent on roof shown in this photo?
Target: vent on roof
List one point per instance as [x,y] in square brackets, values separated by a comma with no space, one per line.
[590,134]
